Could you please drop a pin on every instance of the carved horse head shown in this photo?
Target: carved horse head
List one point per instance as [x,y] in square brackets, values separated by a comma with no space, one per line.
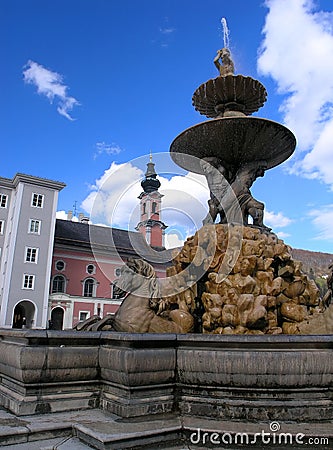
[138,277]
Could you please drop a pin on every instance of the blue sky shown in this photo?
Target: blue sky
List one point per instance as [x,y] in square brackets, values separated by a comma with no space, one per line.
[89,87]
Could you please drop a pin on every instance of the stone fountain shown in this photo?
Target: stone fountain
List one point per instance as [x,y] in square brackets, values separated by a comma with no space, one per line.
[248,282]
[252,367]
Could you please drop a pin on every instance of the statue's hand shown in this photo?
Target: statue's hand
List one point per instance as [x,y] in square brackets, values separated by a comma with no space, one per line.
[163,306]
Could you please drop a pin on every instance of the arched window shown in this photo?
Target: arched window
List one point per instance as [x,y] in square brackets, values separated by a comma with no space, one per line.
[89,288]
[144,208]
[58,284]
[154,208]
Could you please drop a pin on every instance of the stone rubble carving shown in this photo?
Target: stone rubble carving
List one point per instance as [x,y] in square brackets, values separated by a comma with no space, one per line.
[327,300]
[265,293]
[248,283]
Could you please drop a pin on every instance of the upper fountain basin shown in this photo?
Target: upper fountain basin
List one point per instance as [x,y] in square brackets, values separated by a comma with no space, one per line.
[212,97]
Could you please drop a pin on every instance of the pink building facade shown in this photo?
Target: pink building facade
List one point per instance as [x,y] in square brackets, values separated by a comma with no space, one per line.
[83,272]
[87,259]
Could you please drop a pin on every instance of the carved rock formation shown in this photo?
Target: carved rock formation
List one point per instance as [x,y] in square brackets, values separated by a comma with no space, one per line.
[249,282]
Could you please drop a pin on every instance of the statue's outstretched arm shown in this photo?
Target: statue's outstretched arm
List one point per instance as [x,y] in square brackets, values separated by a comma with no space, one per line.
[217,59]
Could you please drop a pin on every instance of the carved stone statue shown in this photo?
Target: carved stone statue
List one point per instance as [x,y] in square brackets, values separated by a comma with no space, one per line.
[244,179]
[227,67]
[230,192]
[218,178]
[143,310]
[327,299]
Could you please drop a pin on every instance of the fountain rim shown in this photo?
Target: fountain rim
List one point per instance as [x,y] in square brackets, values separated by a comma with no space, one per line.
[288,149]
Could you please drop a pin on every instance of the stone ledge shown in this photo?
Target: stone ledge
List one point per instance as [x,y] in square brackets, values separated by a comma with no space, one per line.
[169,431]
[228,376]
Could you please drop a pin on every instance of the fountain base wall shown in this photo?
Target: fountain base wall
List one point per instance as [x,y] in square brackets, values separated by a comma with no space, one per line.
[280,377]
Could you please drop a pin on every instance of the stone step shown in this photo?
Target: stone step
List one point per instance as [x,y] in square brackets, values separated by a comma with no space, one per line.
[43,444]
[72,443]
[81,430]
[161,432]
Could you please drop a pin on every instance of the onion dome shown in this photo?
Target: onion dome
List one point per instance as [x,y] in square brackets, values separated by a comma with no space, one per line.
[150,182]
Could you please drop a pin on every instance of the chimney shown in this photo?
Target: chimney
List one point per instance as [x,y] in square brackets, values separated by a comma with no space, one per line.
[70,215]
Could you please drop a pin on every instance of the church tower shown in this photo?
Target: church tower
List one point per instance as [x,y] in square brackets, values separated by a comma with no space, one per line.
[150,224]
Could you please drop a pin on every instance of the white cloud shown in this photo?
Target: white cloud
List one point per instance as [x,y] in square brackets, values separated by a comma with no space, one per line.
[64,216]
[50,84]
[282,235]
[113,200]
[165,34]
[61,215]
[113,197]
[276,220]
[173,240]
[297,53]
[185,201]
[167,30]
[322,218]
[318,162]
[109,149]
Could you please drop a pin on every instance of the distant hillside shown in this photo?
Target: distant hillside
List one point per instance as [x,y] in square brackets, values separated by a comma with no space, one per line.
[313,261]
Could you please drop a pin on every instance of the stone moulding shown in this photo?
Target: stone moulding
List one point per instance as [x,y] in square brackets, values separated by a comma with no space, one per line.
[137,373]
[256,378]
[279,377]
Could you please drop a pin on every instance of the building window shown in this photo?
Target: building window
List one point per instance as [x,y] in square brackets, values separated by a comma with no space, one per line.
[154,208]
[144,208]
[28,281]
[58,284]
[60,265]
[83,315]
[3,200]
[89,288]
[90,269]
[117,272]
[2,226]
[34,226]
[31,254]
[37,200]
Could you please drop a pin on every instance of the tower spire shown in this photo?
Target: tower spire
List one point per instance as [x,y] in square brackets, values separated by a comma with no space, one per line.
[150,224]
[150,183]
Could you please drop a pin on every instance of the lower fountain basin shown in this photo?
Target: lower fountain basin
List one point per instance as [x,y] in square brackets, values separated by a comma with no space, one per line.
[248,378]
[235,141]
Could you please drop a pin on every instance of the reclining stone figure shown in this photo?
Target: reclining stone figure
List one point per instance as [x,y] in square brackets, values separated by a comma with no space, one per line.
[142,310]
